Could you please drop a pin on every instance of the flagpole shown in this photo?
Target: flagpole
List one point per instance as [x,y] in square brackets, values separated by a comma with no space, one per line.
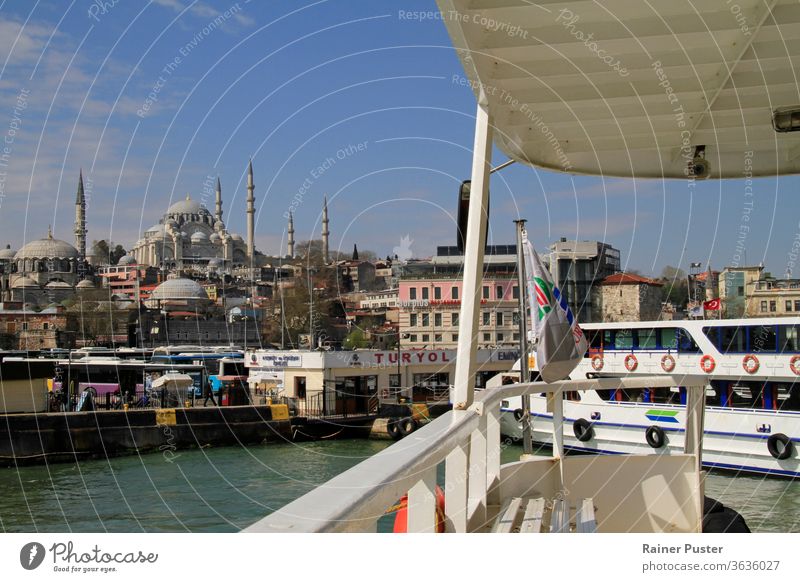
[524,374]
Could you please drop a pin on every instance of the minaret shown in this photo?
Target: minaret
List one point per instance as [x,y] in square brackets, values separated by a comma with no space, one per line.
[711,293]
[290,236]
[218,209]
[325,231]
[251,212]
[80,220]
[355,252]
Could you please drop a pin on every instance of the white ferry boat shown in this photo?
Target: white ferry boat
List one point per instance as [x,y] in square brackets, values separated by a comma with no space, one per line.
[752,366]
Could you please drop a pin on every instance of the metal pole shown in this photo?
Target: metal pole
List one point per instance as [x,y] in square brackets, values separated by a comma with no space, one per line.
[524,373]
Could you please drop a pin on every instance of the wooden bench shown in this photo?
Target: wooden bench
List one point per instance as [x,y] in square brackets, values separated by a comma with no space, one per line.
[532,514]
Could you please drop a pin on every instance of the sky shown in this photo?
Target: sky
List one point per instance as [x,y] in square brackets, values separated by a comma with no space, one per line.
[349,98]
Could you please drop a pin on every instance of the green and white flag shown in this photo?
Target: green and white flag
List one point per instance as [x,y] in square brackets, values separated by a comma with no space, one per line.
[560,343]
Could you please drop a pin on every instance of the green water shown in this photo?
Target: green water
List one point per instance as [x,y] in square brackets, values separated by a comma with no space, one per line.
[226,489]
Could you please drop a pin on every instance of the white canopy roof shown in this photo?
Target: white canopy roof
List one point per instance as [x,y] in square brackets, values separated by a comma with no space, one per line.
[629,88]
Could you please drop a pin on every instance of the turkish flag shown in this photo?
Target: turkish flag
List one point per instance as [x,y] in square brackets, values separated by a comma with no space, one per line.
[713,305]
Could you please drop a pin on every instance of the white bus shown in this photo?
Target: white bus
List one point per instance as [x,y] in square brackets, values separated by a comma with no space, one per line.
[753,395]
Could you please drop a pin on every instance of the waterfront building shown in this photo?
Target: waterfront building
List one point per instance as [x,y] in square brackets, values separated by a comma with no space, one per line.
[126,278]
[774,298]
[628,297]
[24,329]
[736,284]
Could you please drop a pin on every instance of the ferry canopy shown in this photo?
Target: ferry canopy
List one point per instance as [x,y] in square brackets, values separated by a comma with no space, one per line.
[675,89]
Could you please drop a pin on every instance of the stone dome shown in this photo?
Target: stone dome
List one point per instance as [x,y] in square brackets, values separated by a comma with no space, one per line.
[199,237]
[237,237]
[179,289]
[7,253]
[156,231]
[24,283]
[47,248]
[126,260]
[85,284]
[58,285]
[214,238]
[187,206]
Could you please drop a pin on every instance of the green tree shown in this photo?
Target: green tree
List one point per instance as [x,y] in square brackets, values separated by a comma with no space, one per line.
[676,286]
[355,339]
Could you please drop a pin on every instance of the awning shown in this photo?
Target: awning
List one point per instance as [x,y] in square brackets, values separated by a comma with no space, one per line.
[672,89]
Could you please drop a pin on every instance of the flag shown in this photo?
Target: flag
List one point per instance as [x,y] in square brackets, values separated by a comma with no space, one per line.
[561,344]
[713,305]
[696,311]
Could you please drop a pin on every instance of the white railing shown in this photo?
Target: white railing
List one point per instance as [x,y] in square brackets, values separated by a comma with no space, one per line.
[468,442]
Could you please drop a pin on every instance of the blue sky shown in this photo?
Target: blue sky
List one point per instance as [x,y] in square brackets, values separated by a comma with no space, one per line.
[151,100]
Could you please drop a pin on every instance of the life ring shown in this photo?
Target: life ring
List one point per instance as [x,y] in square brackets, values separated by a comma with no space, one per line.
[518,414]
[597,363]
[631,363]
[393,428]
[407,425]
[780,446]
[707,364]
[401,518]
[583,429]
[655,437]
[668,363]
[793,365]
[750,364]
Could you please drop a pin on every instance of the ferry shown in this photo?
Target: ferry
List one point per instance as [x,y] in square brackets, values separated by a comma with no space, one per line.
[752,419]
[548,99]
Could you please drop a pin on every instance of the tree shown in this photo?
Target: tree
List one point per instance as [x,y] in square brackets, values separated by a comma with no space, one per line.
[117,254]
[355,339]
[101,251]
[676,287]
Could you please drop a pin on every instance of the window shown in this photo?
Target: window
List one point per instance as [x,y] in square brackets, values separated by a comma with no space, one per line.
[733,339]
[788,305]
[686,342]
[623,339]
[454,319]
[763,338]
[413,338]
[763,306]
[647,339]
[394,380]
[499,291]
[790,338]
[24,326]
[437,320]
[425,293]
[413,320]
[487,337]
[45,325]
[516,337]
[515,292]
[486,292]
[426,320]
[499,317]
[412,293]
[773,306]
[796,305]
[486,317]
[437,337]
[500,337]
[426,337]
[455,337]
[437,292]
[515,318]
[454,292]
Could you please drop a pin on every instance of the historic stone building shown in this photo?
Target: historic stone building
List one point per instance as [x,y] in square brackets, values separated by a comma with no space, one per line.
[627,297]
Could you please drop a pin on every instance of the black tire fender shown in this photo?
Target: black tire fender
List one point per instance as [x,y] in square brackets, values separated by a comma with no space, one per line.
[655,437]
[518,414]
[780,446]
[393,428]
[583,430]
[407,426]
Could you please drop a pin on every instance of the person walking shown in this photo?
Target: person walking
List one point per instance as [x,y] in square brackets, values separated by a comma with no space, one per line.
[209,393]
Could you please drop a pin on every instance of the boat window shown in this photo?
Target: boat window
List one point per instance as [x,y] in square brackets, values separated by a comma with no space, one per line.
[686,343]
[790,339]
[733,339]
[623,339]
[595,339]
[669,340]
[608,339]
[789,396]
[763,338]
[647,339]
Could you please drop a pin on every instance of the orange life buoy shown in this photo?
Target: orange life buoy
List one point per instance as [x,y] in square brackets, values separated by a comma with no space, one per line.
[401,518]
[668,363]
[793,365]
[597,363]
[631,362]
[750,364]
[707,364]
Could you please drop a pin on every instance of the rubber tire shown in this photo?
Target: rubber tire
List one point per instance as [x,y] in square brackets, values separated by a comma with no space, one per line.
[655,437]
[407,426]
[583,429]
[772,445]
[393,428]
[518,414]
[720,519]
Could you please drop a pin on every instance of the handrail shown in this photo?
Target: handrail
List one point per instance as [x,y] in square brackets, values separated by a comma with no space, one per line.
[468,440]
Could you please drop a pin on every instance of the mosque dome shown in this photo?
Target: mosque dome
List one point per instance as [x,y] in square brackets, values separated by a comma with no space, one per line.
[156,231]
[199,237]
[126,260]
[85,284]
[25,283]
[180,289]
[47,248]
[187,206]
[58,285]
[7,253]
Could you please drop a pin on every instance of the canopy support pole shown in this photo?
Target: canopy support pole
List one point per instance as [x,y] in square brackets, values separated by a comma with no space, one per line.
[474,246]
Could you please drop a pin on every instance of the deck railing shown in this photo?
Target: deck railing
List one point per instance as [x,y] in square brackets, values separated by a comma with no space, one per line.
[468,442]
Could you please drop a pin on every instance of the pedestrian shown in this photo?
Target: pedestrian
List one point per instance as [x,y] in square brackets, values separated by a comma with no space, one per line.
[209,393]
